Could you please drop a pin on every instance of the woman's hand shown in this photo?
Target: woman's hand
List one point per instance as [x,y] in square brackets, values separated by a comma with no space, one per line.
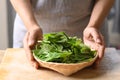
[31,38]
[93,38]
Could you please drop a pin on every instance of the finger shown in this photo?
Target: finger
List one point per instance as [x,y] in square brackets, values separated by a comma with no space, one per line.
[28,52]
[91,44]
[102,38]
[101,48]
[32,39]
[96,37]
[31,58]
[26,47]
[100,54]
[101,51]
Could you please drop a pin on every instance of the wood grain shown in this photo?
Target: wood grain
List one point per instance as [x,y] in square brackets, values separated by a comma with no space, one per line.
[15,66]
[1,54]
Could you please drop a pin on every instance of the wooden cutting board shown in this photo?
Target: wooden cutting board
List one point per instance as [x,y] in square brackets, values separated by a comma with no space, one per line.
[15,66]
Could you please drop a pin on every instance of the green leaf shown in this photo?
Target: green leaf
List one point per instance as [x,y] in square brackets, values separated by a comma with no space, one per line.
[58,47]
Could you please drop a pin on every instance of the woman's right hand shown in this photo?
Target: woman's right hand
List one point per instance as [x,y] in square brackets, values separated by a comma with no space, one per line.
[30,39]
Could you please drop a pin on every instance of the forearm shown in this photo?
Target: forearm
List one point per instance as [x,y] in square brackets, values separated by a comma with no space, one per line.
[100,11]
[24,9]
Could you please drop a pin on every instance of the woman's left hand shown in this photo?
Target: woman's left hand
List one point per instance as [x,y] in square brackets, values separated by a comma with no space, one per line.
[93,38]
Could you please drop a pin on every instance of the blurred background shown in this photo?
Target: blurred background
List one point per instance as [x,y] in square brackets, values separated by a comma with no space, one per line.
[7,15]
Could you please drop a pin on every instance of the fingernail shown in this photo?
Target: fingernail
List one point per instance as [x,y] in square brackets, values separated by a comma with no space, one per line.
[34,64]
[98,40]
[30,43]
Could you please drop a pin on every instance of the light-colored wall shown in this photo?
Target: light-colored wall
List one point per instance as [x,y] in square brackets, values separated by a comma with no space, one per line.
[3,25]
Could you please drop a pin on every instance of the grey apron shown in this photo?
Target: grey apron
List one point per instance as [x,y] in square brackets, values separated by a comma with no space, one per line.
[70,16]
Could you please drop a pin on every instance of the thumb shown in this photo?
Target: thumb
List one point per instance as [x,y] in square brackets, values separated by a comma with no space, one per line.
[32,39]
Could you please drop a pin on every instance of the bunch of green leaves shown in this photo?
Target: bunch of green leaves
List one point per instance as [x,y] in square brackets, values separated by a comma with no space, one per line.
[59,47]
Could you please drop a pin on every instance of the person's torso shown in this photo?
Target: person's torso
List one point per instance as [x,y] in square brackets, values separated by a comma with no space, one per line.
[71,16]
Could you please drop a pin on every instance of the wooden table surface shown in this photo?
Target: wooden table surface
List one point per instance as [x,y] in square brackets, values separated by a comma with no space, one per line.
[1,54]
[109,69]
